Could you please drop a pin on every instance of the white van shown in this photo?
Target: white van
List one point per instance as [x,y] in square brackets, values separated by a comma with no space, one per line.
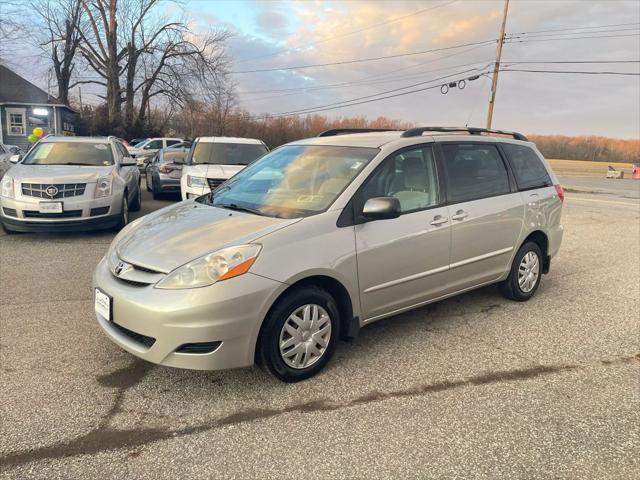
[212,160]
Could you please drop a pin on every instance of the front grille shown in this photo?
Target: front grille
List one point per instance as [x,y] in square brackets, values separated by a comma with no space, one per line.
[206,347]
[10,212]
[99,211]
[53,190]
[215,182]
[65,214]
[136,337]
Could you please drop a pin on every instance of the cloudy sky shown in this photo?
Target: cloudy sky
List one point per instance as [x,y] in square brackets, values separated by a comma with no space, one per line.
[458,38]
[270,35]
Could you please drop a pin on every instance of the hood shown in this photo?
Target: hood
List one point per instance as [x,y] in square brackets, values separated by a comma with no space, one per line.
[173,236]
[59,173]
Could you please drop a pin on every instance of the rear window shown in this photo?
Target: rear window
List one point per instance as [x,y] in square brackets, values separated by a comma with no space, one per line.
[527,167]
[226,153]
[70,153]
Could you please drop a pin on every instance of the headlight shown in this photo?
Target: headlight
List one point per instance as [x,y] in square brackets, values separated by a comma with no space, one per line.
[103,187]
[196,181]
[7,186]
[211,268]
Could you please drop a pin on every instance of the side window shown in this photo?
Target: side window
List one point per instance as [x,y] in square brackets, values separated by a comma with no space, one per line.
[410,176]
[172,142]
[527,167]
[116,147]
[474,171]
[122,150]
[154,145]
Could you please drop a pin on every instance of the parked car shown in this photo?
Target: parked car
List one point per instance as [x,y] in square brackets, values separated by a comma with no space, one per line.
[323,236]
[71,184]
[213,160]
[164,171]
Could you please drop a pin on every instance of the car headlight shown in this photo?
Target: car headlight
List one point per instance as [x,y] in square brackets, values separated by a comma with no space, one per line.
[213,267]
[6,186]
[196,181]
[103,187]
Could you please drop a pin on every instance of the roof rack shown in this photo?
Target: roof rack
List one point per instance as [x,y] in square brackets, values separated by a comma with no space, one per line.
[344,131]
[416,132]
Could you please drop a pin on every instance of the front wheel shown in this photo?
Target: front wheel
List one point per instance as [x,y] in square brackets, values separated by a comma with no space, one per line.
[525,275]
[124,213]
[137,202]
[300,333]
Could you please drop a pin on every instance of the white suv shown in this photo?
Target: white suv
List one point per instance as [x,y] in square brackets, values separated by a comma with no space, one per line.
[213,160]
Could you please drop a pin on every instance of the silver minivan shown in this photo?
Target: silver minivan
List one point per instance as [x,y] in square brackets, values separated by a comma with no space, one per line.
[323,236]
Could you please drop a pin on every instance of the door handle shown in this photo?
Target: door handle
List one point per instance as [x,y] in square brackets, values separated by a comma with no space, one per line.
[460,215]
[439,220]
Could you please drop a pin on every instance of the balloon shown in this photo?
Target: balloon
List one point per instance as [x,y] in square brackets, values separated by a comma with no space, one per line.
[38,132]
[32,138]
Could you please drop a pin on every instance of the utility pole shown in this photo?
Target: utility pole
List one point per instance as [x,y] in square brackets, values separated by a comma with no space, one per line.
[496,68]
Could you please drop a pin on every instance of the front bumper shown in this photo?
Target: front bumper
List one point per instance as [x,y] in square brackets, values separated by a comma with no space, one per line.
[229,312]
[79,213]
[192,192]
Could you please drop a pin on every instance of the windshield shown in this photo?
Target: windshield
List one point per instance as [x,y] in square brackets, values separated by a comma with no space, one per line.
[292,181]
[70,153]
[227,153]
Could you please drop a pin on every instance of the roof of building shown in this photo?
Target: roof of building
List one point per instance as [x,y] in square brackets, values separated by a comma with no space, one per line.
[16,89]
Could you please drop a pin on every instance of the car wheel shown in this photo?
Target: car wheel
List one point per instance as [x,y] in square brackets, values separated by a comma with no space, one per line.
[137,202]
[154,191]
[299,334]
[526,272]
[124,213]
[146,181]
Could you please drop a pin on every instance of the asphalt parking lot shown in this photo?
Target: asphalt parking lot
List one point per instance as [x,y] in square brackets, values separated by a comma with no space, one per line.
[474,386]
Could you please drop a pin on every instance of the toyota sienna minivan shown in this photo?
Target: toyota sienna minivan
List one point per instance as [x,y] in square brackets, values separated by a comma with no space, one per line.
[323,236]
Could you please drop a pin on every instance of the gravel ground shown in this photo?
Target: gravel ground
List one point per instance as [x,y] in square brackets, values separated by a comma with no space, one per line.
[471,387]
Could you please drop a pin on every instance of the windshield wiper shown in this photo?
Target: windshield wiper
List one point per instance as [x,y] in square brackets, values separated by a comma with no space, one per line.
[233,206]
[77,163]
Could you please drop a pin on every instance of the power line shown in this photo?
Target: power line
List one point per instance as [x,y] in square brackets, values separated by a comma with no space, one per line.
[352,102]
[362,60]
[559,35]
[571,71]
[580,28]
[509,40]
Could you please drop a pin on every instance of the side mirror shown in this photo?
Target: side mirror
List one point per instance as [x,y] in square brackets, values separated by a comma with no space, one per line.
[381,208]
[128,162]
[15,158]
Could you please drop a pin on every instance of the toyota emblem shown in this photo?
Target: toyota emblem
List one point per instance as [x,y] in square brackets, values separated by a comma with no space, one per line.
[51,190]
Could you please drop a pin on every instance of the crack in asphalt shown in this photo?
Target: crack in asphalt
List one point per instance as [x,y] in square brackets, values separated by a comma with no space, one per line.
[105,438]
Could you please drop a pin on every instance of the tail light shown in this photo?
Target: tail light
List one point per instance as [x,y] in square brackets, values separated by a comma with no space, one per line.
[560,192]
[166,168]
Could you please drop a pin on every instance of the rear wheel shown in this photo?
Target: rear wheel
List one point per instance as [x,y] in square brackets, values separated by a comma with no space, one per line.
[124,213]
[155,192]
[300,333]
[525,275]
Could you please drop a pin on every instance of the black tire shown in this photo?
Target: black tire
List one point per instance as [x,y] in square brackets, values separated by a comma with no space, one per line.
[146,183]
[137,201]
[510,288]
[124,213]
[268,350]
[155,193]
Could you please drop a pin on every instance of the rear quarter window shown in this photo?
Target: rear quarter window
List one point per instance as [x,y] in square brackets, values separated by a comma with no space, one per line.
[527,167]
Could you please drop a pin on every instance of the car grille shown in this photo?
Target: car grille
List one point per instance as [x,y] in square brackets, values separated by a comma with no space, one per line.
[53,190]
[66,214]
[215,182]
[10,212]
[136,337]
